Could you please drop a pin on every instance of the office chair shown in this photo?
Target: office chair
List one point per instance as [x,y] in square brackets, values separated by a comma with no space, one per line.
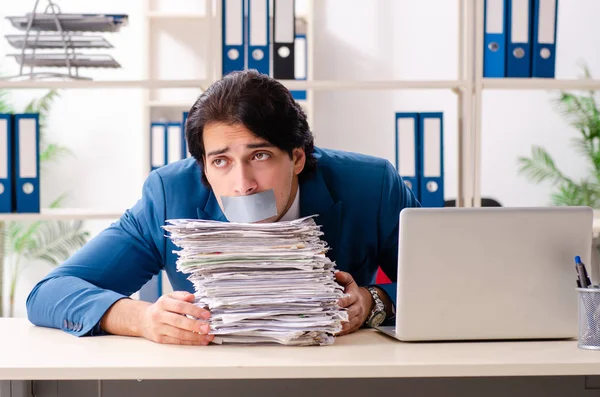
[485,202]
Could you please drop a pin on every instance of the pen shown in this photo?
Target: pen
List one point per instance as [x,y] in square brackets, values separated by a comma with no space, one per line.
[583,281]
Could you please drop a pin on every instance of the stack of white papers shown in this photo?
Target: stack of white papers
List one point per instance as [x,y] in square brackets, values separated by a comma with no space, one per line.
[262,282]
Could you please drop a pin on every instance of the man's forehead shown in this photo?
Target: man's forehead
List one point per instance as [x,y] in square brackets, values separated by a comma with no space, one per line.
[221,131]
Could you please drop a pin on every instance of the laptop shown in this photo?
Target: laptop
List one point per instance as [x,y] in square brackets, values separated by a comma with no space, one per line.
[496,273]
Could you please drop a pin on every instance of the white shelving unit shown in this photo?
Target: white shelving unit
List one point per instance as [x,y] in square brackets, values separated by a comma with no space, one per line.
[471,100]
[48,214]
[315,85]
[469,84]
[91,84]
[540,84]
[480,84]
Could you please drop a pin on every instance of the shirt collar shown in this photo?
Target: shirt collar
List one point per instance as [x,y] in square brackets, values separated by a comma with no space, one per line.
[294,211]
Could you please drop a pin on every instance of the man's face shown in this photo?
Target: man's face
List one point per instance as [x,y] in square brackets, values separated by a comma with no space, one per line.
[239,163]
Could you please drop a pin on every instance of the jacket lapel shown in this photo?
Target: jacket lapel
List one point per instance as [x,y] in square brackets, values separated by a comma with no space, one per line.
[211,210]
[315,199]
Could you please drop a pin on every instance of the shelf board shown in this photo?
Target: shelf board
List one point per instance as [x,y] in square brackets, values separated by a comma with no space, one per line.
[331,85]
[174,16]
[540,84]
[321,85]
[47,214]
[66,84]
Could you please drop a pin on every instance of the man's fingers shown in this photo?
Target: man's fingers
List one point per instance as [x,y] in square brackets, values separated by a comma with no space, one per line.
[353,311]
[165,339]
[348,300]
[346,280]
[182,307]
[184,335]
[343,278]
[186,323]
[353,320]
[350,326]
[182,295]
[168,340]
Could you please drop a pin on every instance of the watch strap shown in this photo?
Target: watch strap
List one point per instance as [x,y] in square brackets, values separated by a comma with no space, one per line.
[378,305]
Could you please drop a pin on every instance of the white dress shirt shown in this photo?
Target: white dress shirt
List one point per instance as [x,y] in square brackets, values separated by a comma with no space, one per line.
[294,211]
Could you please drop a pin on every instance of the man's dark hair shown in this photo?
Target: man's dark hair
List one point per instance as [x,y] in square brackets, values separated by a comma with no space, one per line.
[261,104]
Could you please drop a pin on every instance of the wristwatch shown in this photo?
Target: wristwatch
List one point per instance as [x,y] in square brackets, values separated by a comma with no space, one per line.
[378,314]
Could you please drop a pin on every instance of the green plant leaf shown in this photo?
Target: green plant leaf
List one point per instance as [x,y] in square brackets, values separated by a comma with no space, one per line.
[23,239]
[5,105]
[540,167]
[587,149]
[55,241]
[13,229]
[576,111]
[53,152]
[58,201]
[567,195]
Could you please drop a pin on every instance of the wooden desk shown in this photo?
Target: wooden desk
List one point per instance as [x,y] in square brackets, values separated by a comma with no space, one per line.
[366,357]
[30,352]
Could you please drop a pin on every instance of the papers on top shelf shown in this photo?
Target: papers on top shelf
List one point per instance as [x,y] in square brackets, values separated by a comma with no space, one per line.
[56,41]
[70,22]
[263,282]
[60,60]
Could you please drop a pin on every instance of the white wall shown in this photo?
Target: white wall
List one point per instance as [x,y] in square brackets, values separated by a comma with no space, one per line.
[356,39]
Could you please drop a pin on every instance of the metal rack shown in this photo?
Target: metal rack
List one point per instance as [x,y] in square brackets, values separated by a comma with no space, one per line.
[54,30]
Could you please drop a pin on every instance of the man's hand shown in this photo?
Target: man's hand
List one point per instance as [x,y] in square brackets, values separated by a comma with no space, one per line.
[166,322]
[359,302]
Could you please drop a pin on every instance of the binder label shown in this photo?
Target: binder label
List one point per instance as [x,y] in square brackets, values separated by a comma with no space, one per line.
[258,22]
[494,16]
[432,166]
[546,21]
[300,60]
[234,34]
[158,146]
[520,21]
[27,148]
[284,21]
[174,143]
[406,138]
[3,149]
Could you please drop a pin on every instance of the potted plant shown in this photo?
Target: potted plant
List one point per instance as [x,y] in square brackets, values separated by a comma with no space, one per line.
[583,114]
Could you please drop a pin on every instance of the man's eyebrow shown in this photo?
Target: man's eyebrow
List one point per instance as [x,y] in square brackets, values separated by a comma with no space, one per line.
[259,145]
[217,152]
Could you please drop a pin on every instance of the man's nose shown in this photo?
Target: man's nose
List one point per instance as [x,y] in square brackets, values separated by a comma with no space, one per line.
[245,183]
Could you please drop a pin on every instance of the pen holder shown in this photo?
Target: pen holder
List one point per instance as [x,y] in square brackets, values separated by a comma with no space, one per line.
[589,318]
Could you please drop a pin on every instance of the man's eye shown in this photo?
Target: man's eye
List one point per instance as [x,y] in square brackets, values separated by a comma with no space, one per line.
[219,163]
[262,156]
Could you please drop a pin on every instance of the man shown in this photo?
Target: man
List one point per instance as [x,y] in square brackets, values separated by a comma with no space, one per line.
[247,135]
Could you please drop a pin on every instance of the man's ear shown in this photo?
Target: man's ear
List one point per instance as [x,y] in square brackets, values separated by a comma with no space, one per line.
[299,159]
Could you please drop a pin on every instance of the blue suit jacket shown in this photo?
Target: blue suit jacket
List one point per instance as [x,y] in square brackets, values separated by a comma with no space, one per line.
[358,199]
